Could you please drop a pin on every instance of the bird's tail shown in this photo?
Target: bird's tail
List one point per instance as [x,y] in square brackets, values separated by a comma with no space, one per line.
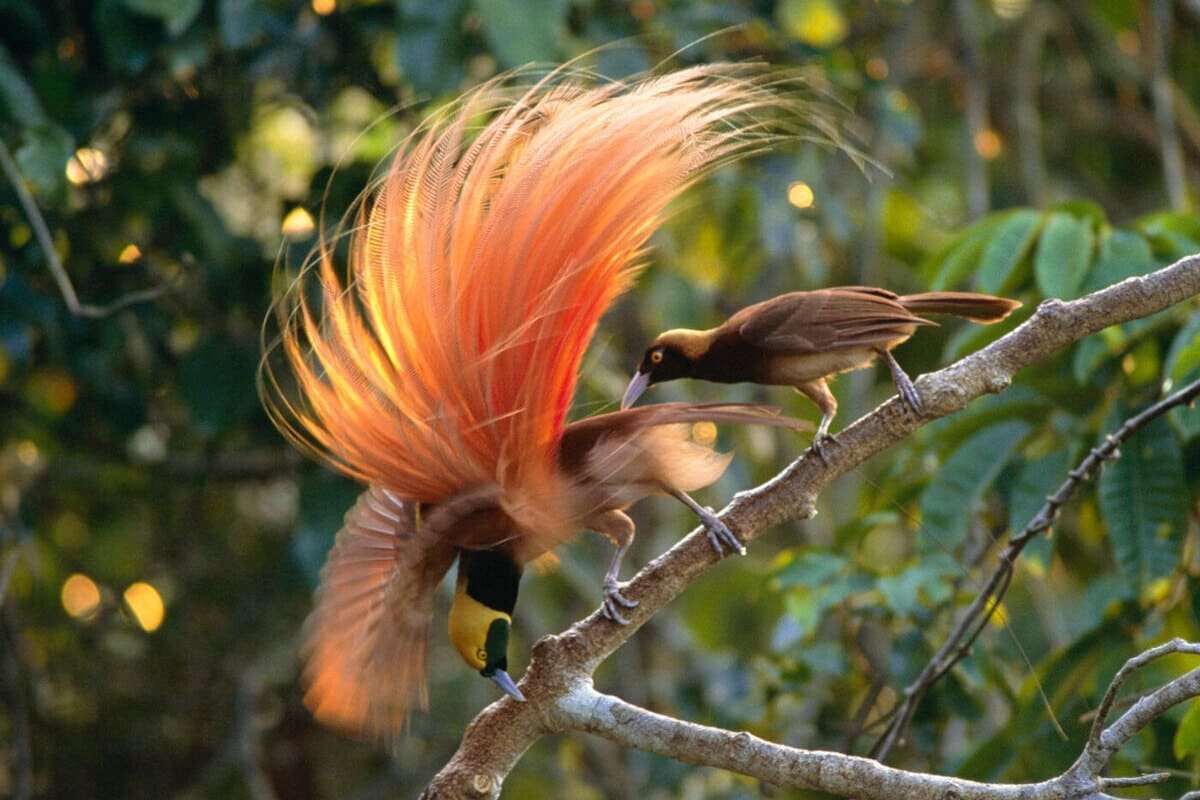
[446,353]
[983,308]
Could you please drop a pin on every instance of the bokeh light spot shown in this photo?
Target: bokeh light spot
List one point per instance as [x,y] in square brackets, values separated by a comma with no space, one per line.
[297,224]
[129,254]
[80,596]
[800,194]
[146,605]
[87,166]
[27,453]
[324,7]
[988,143]
[877,69]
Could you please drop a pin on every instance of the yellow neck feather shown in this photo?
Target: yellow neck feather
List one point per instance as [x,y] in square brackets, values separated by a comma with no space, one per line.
[469,624]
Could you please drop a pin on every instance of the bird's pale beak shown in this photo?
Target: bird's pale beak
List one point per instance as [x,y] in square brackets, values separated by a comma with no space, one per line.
[506,683]
[636,386]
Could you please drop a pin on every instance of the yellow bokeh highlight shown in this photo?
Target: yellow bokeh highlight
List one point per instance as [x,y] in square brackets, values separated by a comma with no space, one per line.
[800,194]
[80,596]
[146,605]
[324,7]
[53,390]
[704,433]
[1128,42]
[1010,9]
[88,165]
[27,453]
[988,143]
[129,254]
[297,224]
[816,23]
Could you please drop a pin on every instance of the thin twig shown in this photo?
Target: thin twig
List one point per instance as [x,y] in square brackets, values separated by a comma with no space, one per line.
[975,619]
[1158,27]
[42,232]
[975,84]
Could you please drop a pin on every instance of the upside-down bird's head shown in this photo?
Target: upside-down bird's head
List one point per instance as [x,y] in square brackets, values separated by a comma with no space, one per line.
[481,615]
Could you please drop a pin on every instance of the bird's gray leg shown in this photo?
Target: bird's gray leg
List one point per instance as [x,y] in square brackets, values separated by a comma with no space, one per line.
[818,392]
[618,528]
[719,535]
[904,385]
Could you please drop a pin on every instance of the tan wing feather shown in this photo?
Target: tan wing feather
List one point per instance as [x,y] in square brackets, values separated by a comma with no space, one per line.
[366,640]
[812,322]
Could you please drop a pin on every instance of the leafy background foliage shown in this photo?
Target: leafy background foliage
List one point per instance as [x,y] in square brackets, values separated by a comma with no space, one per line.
[133,449]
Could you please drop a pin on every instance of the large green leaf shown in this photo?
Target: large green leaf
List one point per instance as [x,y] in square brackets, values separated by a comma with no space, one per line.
[521,31]
[1187,735]
[1036,479]
[949,502]
[1143,500]
[43,158]
[176,15]
[1123,254]
[958,259]
[1003,258]
[1182,366]
[1064,252]
[17,96]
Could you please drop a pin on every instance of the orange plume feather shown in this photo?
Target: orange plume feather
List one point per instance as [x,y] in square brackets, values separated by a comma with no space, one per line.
[448,354]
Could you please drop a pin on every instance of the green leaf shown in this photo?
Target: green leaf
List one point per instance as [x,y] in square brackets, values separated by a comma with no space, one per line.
[127,39]
[43,158]
[1036,479]
[17,96]
[1182,366]
[927,582]
[429,45]
[241,22]
[521,31]
[1123,254]
[950,499]
[1064,253]
[176,15]
[1143,500]
[1000,265]
[1183,357]
[960,257]
[811,568]
[1187,735]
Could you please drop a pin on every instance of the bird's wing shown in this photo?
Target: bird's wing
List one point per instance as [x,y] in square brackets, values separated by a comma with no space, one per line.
[647,449]
[814,322]
[365,642]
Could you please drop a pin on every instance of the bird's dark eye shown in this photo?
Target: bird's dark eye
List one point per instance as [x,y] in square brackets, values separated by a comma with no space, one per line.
[656,356]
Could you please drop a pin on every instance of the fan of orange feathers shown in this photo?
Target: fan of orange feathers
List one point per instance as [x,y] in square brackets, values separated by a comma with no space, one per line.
[438,365]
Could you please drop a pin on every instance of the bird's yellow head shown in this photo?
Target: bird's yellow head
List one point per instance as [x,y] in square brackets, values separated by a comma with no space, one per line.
[481,614]
[672,355]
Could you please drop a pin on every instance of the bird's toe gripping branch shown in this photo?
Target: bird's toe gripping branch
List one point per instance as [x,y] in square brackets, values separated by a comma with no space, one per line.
[614,601]
[719,534]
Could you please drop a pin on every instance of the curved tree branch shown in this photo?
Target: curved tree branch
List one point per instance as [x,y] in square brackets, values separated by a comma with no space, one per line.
[558,680]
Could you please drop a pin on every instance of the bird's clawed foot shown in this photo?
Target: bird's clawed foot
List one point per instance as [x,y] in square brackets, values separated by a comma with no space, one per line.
[719,534]
[820,443]
[614,601]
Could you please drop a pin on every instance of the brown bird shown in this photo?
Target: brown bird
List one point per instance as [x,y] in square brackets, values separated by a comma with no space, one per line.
[439,366]
[801,339]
